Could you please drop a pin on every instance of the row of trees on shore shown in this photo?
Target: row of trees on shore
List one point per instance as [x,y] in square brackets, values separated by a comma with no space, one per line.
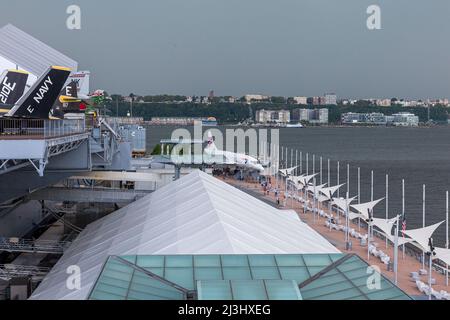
[231,113]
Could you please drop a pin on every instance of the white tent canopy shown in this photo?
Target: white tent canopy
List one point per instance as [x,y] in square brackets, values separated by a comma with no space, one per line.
[288,171]
[306,179]
[386,227]
[296,179]
[331,190]
[422,235]
[364,208]
[197,214]
[342,202]
[311,188]
[443,254]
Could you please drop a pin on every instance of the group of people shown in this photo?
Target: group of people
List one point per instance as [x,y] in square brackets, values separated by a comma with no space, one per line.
[267,187]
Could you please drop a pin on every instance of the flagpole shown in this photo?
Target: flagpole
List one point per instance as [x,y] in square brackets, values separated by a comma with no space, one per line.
[387,203]
[423,222]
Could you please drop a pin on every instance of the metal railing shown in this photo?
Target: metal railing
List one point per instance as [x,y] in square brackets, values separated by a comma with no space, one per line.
[40,246]
[39,128]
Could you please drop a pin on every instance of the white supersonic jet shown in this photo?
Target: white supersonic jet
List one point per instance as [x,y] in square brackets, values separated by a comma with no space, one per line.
[230,158]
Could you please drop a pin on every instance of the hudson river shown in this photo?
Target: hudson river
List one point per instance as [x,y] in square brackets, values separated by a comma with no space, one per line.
[418,155]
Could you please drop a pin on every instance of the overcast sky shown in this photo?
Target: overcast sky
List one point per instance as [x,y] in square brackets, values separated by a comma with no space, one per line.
[277,47]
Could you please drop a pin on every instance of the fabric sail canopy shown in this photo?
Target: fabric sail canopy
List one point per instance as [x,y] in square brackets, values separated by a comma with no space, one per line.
[328,192]
[422,235]
[288,171]
[364,208]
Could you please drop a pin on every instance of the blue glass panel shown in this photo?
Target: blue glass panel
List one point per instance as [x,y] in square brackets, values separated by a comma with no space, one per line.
[236,273]
[282,290]
[150,261]
[317,260]
[248,290]
[234,261]
[289,260]
[179,261]
[208,274]
[262,261]
[265,273]
[298,274]
[182,276]
[214,290]
[207,261]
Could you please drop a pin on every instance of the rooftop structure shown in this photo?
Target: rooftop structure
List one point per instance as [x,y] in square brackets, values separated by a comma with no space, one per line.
[240,277]
[195,215]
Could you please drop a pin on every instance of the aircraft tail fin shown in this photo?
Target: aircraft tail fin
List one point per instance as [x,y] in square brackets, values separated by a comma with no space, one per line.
[40,98]
[81,80]
[12,86]
[211,147]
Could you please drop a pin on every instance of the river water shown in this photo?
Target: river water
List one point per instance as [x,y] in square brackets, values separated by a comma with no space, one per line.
[418,155]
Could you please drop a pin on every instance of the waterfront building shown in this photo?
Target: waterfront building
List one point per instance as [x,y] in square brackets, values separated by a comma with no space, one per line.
[330,99]
[301,100]
[314,116]
[273,116]
[404,119]
[255,98]
[383,102]
[374,118]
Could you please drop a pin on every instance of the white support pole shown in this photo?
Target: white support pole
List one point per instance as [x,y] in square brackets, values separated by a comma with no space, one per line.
[387,203]
[296,162]
[292,158]
[347,224]
[403,211]
[430,261]
[446,234]
[396,250]
[371,198]
[329,174]
[314,164]
[359,196]
[301,162]
[371,185]
[348,178]
[423,222]
[314,200]
[337,178]
[321,171]
[307,164]
[282,153]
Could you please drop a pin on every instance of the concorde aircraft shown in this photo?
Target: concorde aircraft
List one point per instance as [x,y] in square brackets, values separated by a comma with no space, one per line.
[230,158]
